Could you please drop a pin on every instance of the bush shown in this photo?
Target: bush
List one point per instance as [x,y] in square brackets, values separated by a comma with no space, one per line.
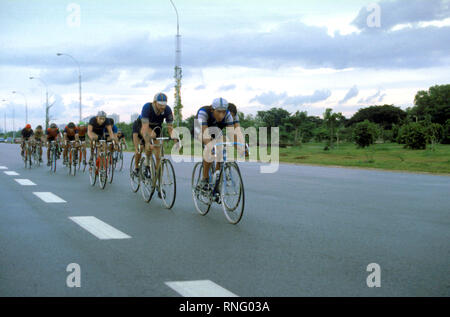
[365,133]
[446,133]
[414,136]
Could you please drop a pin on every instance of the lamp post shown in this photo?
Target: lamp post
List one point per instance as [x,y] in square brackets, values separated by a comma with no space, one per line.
[4,117]
[79,74]
[26,105]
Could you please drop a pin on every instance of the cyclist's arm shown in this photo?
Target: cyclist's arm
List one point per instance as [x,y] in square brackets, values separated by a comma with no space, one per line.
[91,133]
[111,133]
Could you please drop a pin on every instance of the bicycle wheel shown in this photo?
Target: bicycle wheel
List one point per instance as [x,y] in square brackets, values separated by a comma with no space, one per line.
[83,155]
[120,159]
[134,179]
[232,192]
[146,176]
[102,172]
[93,171]
[202,200]
[167,183]
[69,161]
[54,157]
[74,160]
[110,166]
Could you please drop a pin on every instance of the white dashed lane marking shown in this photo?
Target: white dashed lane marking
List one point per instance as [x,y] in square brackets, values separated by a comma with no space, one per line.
[99,228]
[49,197]
[205,288]
[3,168]
[11,173]
[24,182]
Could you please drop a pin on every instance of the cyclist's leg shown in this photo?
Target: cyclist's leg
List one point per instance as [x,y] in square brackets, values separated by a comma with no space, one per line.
[136,141]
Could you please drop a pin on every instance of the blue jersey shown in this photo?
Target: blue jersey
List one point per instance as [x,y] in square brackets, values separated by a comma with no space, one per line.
[148,113]
[205,117]
[114,129]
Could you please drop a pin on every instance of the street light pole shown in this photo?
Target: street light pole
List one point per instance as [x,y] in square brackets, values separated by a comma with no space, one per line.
[4,117]
[26,104]
[47,119]
[79,75]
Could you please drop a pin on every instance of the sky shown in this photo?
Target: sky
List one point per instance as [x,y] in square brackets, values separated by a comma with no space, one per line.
[296,54]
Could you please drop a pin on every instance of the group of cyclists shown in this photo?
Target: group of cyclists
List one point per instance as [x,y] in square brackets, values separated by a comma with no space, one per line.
[146,136]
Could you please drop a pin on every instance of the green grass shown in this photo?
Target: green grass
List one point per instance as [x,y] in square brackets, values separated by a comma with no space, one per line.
[387,156]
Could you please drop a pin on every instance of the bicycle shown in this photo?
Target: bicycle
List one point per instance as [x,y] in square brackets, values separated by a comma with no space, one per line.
[82,155]
[27,153]
[118,156]
[72,159]
[134,178]
[37,153]
[223,185]
[161,179]
[100,167]
[53,148]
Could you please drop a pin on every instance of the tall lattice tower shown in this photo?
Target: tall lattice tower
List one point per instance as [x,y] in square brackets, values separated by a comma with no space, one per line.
[178,73]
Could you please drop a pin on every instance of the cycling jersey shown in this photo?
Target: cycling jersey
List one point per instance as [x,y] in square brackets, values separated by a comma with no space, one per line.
[97,128]
[154,119]
[205,117]
[137,125]
[26,134]
[38,134]
[70,133]
[82,131]
[52,134]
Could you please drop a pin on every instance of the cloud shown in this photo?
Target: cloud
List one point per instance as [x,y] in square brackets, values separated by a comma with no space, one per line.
[273,99]
[289,44]
[227,87]
[404,11]
[378,97]
[352,93]
[200,87]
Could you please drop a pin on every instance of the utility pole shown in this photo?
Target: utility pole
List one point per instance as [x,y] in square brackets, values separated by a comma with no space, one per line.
[178,73]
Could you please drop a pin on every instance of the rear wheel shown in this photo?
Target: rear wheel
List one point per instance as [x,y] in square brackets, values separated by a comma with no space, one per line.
[134,179]
[54,157]
[120,158]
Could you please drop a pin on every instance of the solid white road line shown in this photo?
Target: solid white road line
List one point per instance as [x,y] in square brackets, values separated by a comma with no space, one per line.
[11,173]
[3,168]
[49,197]
[99,228]
[204,288]
[24,182]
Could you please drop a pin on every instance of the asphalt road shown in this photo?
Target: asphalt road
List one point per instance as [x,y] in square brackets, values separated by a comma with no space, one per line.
[306,231]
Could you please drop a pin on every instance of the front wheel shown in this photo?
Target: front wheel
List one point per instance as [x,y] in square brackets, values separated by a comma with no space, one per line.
[146,176]
[232,193]
[202,199]
[102,172]
[110,166]
[168,183]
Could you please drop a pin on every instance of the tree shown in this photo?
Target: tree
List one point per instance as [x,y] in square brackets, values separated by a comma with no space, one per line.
[414,136]
[333,121]
[434,102]
[296,121]
[365,133]
[385,116]
[273,117]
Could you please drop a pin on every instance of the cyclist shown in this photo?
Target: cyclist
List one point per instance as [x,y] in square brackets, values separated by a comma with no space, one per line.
[26,133]
[152,116]
[52,134]
[96,129]
[38,138]
[70,134]
[108,137]
[215,116]
[137,138]
[121,138]
[82,130]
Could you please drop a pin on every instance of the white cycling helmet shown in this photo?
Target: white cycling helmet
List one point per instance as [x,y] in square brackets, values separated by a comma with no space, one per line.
[220,104]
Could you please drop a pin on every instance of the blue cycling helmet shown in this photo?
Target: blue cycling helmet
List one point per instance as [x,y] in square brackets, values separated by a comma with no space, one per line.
[160,98]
